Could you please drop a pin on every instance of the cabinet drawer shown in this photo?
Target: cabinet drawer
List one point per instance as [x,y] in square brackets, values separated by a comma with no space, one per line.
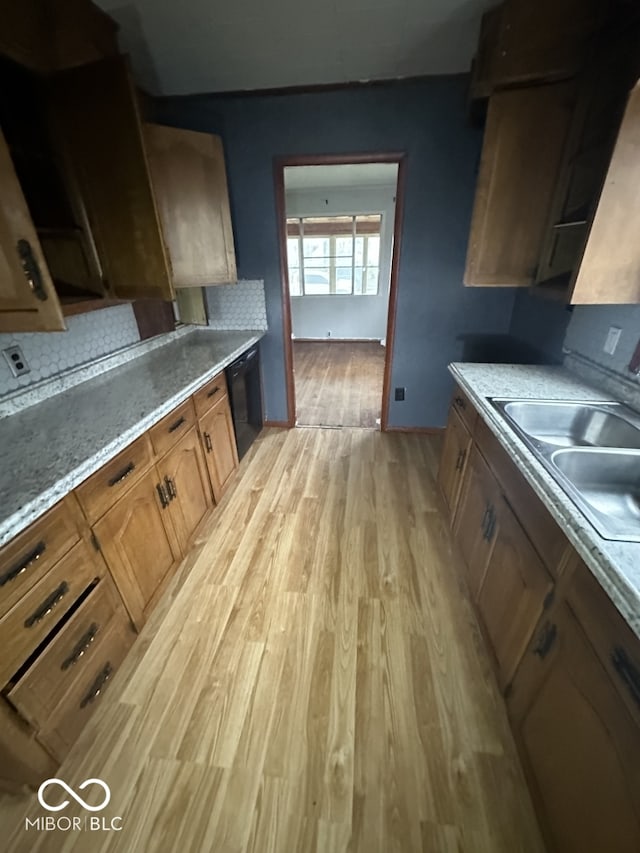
[210,393]
[64,725]
[69,655]
[97,494]
[26,625]
[172,427]
[465,408]
[28,557]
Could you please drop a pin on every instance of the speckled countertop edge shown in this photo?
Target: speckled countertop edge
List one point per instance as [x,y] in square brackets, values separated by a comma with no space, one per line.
[29,511]
[616,565]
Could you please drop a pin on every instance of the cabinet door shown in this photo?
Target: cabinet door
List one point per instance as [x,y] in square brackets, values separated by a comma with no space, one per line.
[610,268]
[185,478]
[455,451]
[472,524]
[138,542]
[98,125]
[512,593]
[219,442]
[190,186]
[580,743]
[523,143]
[28,301]
[544,40]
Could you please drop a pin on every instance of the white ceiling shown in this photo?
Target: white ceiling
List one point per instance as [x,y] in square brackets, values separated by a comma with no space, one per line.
[195,46]
[348,175]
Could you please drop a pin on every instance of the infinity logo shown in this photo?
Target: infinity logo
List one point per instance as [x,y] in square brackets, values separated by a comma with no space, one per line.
[49,782]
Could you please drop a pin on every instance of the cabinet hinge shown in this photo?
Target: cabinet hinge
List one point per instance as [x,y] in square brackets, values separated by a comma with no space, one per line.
[546,640]
[508,690]
[94,541]
[548,599]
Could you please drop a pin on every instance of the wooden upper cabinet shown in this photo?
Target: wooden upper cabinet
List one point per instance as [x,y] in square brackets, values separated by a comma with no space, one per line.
[28,300]
[524,140]
[98,127]
[543,40]
[47,35]
[190,186]
[610,268]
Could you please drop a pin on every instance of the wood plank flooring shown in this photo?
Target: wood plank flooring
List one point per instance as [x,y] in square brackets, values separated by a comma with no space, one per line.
[314,679]
[338,383]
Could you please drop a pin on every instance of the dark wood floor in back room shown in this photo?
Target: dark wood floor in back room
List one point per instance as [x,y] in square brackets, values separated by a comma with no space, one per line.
[338,383]
[314,680]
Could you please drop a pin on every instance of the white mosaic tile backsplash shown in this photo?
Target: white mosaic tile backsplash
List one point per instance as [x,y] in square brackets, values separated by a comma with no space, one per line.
[237,306]
[89,336]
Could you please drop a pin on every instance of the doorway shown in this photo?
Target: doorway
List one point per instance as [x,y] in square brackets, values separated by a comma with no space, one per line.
[339,223]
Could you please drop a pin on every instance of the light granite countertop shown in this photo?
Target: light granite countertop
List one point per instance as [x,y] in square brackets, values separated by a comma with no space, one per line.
[50,448]
[616,565]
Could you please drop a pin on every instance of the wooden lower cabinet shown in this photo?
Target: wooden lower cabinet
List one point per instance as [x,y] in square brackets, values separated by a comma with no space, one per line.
[184,476]
[579,742]
[512,593]
[139,543]
[219,443]
[455,453]
[471,530]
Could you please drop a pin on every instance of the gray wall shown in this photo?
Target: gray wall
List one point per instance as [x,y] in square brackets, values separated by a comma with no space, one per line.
[345,316]
[588,330]
[541,324]
[427,120]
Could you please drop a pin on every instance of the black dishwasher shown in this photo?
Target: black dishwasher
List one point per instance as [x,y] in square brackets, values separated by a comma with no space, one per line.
[243,379]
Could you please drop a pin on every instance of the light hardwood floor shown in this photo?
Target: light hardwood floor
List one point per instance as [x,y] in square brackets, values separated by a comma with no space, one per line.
[314,680]
[338,383]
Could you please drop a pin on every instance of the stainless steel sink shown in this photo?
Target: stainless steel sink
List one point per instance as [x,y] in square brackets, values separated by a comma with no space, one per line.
[592,450]
[605,484]
[573,424]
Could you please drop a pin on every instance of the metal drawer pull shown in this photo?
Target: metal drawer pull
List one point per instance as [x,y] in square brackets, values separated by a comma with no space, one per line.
[213,391]
[546,639]
[31,270]
[81,647]
[177,424]
[97,686]
[47,606]
[460,402]
[207,442]
[164,500]
[171,488]
[24,564]
[627,672]
[123,474]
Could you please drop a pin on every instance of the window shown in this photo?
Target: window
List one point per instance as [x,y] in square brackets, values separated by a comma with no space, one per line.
[334,255]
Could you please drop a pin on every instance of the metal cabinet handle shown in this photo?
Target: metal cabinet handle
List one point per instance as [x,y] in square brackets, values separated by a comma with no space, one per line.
[164,500]
[460,460]
[484,524]
[627,672]
[129,469]
[491,526]
[171,488]
[47,605]
[96,688]
[177,424]
[546,639]
[23,564]
[213,391]
[81,647]
[31,270]
[207,442]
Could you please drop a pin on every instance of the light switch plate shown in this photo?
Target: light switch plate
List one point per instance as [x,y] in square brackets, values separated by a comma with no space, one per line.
[18,364]
[613,336]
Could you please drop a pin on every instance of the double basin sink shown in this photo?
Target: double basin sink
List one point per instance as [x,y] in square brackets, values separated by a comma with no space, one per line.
[593,452]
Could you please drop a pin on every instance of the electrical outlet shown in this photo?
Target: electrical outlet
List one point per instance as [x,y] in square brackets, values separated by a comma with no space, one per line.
[613,336]
[400,394]
[17,362]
